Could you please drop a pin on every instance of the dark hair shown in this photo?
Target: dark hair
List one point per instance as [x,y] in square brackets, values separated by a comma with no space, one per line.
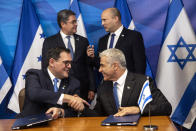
[55,53]
[63,16]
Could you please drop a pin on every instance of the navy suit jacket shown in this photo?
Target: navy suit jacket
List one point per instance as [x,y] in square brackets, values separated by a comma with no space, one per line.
[81,69]
[106,106]
[131,43]
[40,95]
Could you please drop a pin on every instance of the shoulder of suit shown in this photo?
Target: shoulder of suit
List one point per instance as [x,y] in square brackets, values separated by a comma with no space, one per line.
[136,76]
[125,30]
[52,37]
[34,71]
[79,36]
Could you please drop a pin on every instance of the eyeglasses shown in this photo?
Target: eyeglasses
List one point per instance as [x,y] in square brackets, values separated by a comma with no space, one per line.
[67,63]
[72,22]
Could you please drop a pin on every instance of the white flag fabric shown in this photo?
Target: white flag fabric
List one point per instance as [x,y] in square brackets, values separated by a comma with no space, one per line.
[75,8]
[176,73]
[126,17]
[5,83]
[145,96]
[28,50]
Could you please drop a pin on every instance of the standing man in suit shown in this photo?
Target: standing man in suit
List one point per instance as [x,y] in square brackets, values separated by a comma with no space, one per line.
[53,87]
[78,46]
[130,42]
[127,87]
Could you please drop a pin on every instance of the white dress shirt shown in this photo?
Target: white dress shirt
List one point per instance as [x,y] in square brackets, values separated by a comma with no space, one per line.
[65,40]
[120,86]
[117,35]
[60,100]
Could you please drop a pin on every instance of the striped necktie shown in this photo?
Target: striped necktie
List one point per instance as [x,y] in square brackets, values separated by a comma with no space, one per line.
[70,46]
[116,94]
[55,84]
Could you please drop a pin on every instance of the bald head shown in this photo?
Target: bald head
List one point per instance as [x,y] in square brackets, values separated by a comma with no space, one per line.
[111,19]
[114,12]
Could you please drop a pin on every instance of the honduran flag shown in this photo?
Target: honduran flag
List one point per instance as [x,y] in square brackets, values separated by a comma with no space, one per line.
[5,83]
[176,73]
[28,50]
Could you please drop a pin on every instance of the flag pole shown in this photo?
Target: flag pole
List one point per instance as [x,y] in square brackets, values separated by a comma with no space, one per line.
[150,127]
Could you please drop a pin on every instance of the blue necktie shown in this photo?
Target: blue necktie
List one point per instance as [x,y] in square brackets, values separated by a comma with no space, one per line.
[112,41]
[116,94]
[69,46]
[55,84]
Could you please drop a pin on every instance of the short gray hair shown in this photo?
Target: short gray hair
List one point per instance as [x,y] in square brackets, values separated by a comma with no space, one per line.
[114,55]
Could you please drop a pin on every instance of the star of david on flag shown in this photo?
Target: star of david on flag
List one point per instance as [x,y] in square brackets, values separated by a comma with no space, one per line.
[176,72]
[182,53]
[145,96]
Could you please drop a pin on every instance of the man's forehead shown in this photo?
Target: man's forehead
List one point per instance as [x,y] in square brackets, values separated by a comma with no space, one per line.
[72,17]
[65,56]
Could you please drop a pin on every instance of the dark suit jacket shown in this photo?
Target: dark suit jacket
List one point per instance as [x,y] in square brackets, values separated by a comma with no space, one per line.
[40,95]
[106,103]
[80,67]
[131,44]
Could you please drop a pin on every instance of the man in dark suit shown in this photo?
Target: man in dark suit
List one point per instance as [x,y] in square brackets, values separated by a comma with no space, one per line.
[127,89]
[130,42]
[53,87]
[78,45]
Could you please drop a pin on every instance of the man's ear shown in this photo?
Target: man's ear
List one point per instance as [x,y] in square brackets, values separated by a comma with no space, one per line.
[115,66]
[51,62]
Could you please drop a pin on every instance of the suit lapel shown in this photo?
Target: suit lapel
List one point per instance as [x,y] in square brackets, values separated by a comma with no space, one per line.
[60,40]
[111,99]
[121,38]
[48,81]
[128,89]
[77,47]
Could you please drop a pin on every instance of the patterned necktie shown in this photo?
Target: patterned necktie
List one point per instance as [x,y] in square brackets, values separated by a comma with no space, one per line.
[116,94]
[55,84]
[112,41]
[70,46]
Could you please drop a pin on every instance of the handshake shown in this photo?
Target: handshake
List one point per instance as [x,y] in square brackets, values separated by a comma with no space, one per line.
[75,102]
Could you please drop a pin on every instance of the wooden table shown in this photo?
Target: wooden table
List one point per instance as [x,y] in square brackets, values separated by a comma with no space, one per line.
[93,124]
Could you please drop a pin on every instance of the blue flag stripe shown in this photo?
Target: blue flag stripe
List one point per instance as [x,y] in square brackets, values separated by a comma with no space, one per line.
[29,24]
[148,98]
[4,76]
[174,11]
[185,104]
[122,6]
[74,7]
[146,85]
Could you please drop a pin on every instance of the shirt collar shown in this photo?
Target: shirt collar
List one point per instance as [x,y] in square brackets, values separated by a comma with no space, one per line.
[122,78]
[52,76]
[64,35]
[118,31]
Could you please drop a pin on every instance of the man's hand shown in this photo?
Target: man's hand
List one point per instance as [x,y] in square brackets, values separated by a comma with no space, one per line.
[75,102]
[91,95]
[90,51]
[123,111]
[56,112]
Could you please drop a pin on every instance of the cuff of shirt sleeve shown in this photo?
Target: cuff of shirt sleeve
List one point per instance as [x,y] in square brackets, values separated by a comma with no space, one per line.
[60,101]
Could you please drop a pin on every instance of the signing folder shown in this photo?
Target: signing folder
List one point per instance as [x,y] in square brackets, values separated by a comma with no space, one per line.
[129,120]
[31,121]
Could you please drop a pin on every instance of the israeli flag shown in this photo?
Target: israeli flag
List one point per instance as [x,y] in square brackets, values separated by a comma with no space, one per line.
[126,17]
[28,50]
[75,8]
[145,96]
[5,83]
[176,73]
